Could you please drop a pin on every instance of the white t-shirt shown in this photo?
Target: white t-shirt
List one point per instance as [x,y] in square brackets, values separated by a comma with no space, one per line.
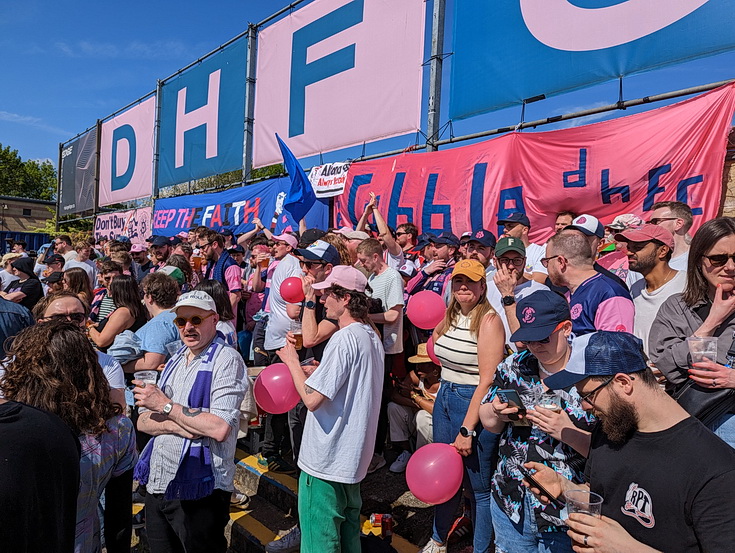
[394,261]
[680,262]
[520,292]
[647,303]
[534,253]
[7,278]
[388,288]
[88,267]
[70,256]
[279,323]
[339,436]
[112,369]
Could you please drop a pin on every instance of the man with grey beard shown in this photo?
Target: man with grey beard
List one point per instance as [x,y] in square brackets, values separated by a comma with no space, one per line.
[646,459]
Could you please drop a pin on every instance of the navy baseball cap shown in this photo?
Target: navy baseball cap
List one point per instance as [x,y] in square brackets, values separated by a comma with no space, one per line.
[539,314]
[587,225]
[227,232]
[158,241]
[484,237]
[175,241]
[320,251]
[237,249]
[516,217]
[601,353]
[445,238]
[424,240]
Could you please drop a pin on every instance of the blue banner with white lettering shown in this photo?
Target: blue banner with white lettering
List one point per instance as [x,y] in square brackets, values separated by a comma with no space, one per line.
[202,118]
[505,52]
[235,209]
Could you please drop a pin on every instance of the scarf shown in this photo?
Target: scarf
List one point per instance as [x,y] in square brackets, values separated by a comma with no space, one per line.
[194,478]
[217,272]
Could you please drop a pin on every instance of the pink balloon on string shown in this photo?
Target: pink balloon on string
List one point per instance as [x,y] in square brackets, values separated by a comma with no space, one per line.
[434,473]
[426,309]
[274,389]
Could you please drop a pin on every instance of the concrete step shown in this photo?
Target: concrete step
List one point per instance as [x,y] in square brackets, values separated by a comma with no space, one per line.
[278,489]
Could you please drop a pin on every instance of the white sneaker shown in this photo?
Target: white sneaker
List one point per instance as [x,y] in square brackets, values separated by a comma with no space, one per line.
[399,465]
[433,547]
[377,462]
[290,542]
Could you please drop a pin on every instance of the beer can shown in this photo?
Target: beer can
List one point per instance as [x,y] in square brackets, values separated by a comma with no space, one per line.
[386,527]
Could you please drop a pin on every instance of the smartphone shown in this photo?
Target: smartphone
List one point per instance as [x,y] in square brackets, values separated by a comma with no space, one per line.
[307,361]
[512,398]
[557,502]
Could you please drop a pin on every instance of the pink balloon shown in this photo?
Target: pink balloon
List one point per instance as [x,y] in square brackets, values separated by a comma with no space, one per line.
[274,389]
[430,351]
[434,473]
[292,290]
[426,309]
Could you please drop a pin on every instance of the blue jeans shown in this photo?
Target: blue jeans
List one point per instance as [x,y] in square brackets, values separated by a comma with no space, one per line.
[524,537]
[724,427]
[450,409]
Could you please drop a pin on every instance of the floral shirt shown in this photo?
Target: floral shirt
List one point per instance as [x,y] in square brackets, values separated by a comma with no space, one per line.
[521,444]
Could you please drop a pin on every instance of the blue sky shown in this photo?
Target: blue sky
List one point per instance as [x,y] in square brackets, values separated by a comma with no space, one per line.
[67,64]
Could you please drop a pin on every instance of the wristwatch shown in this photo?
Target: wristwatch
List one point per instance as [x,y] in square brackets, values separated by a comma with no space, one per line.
[310,305]
[467,432]
[508,300]
[167,408]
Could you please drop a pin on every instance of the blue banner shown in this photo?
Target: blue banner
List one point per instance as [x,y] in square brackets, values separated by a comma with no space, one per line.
[505,52]
[202,118]
[235,209]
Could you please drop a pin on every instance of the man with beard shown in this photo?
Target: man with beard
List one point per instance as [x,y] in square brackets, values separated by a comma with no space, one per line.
[509,283]
[221,266]
[161,249]
[649,251]
[193,413]
[481,246]
[646,459]
[139,254]
[596,302]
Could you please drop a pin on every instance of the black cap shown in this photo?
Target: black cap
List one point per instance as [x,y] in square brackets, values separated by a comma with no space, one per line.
[158,241]
[227,232]
[310,236]
[446,238]
[54,277]
[539,314]
[237,249]
[516,217]
[55,258]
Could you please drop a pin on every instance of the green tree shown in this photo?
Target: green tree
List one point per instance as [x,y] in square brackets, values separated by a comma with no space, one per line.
[25,179]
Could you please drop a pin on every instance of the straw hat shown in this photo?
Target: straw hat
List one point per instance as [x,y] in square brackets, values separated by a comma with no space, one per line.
[421,355]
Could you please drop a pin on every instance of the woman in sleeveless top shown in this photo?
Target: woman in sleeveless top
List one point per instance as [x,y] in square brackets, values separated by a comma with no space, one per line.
[129,313]
[469,342]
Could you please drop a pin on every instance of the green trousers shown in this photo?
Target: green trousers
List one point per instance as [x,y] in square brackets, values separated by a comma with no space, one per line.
[329,515]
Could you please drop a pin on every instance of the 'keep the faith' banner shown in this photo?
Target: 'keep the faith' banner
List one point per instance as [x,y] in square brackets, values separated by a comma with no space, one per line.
[620,166]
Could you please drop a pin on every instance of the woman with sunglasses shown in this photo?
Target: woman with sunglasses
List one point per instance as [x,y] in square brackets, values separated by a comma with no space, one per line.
[535,432]
[705,308]
[129,313]
[469,343]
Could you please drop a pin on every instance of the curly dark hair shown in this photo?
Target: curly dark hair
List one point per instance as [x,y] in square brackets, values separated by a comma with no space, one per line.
[54,367]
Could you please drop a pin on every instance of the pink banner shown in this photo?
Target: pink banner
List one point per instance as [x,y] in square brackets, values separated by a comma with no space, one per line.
[135,224]
[605,169]
[126,154]
[324,82]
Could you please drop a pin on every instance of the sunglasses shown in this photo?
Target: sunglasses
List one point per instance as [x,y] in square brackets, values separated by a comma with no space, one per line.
[73,317]
[545,340]
[659,220]
[196,320]
[720,259]
[399,233]
[516,261]
[310,264]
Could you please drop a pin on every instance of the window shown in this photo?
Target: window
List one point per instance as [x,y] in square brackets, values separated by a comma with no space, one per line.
[26,212]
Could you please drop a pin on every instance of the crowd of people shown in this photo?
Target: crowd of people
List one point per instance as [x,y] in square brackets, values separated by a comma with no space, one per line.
[557,367]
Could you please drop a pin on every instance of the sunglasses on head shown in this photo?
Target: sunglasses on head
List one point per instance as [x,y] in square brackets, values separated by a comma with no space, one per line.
[196,320]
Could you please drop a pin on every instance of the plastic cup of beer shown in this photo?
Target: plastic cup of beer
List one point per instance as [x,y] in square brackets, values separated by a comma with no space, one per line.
[583,501]
[702,348]
[263,263]
[148,377]
[552,402]
[297,334]
[197,261]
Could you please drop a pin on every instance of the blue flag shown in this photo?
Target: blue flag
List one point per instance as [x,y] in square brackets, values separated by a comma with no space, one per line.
[301,195]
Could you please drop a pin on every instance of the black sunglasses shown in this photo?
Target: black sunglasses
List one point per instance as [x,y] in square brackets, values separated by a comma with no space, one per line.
[310,264]
[659,220]
[720,259]
[73,317]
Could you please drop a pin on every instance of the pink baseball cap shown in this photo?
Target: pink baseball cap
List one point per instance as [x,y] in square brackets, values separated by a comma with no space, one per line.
[290,239]
[645,233]
[136,248]
[345,276]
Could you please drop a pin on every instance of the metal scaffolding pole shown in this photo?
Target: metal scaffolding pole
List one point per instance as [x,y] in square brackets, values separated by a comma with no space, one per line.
[247,159]
[435,75]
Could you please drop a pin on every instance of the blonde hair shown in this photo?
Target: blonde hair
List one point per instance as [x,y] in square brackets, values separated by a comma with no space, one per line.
[10,257]
[477,315]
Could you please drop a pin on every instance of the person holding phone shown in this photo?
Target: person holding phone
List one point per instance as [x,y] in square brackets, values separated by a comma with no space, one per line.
[535,424]
[469,343]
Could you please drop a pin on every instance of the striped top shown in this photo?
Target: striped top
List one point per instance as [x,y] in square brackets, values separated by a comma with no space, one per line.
[457,351]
